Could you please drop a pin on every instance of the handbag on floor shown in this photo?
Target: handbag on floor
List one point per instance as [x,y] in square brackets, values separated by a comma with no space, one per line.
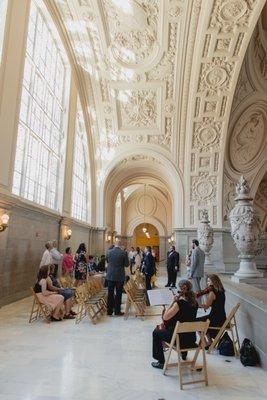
[225,346]
[248,354]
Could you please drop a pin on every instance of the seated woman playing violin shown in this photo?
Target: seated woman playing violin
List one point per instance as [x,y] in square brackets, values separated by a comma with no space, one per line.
[216,301]
[184,309]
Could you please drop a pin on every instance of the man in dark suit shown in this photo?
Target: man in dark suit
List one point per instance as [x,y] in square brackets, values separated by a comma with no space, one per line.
[117,260]
[172,266]
[149,266]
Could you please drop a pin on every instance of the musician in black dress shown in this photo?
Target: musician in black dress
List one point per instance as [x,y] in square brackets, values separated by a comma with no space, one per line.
[184,309]
[216,302]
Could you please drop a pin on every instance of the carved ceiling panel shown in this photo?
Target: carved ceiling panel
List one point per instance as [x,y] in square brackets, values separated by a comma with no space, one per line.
[130,52]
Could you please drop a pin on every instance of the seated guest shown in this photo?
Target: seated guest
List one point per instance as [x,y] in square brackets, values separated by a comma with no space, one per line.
[68,294]
[101,267]
[91,266]
[47,297]
[215,301]
[184,309]
[67,262]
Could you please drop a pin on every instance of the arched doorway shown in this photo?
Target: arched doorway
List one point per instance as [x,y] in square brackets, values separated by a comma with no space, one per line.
[150,237]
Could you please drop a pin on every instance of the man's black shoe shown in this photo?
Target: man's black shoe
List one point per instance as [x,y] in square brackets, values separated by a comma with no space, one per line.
[109,314]
[157,364]
[120,314]
[167,285]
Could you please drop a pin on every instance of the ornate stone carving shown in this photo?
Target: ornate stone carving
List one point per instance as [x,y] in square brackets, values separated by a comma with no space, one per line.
[203,188]
[248,138]
[227,14]
[207,135]
[260,51]
[215,76]
[228,197]
[132,29]
[245,230]
[138,108]
[205,236]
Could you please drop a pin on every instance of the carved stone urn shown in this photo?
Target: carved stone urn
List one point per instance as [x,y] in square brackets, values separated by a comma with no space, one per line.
[205,236]
[246,231]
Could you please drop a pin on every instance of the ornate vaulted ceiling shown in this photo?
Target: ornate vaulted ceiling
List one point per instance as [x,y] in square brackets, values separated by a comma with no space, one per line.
[158,79]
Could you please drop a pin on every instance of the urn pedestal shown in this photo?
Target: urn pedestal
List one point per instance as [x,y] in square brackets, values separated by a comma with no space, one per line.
[205,237]
[245,230]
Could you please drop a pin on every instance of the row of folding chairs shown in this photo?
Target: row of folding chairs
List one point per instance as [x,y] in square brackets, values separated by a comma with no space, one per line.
[136,297]
[91,298]
[200,327]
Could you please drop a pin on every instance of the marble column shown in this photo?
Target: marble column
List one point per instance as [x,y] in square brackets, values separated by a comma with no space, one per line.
[245,230]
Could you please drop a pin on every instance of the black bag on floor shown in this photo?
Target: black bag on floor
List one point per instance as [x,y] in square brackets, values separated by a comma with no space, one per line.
[226,347]
[248,354]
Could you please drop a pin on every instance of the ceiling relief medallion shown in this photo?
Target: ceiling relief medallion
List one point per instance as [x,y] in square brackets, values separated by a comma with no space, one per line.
[207,135]
[132,30]
[248,138]
[215,76]
[228,14]
[138,108]
[203,189]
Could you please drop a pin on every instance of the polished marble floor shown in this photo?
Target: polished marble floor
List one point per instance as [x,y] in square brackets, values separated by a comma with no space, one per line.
[107,361]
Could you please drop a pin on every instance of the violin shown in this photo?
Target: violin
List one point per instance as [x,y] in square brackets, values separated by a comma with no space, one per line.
[207,290]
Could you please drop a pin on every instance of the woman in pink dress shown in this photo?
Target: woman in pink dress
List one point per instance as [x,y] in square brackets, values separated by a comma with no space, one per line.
[67,262]
[48,297]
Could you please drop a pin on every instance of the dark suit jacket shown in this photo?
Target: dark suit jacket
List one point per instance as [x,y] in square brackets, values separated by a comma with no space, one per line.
[173,260]
[149,264]
[117,262]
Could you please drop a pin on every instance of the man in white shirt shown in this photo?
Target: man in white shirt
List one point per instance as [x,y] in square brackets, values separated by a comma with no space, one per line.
[47,256]
[56,258]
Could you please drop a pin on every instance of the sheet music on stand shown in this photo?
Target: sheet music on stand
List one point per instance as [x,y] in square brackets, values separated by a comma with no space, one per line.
[161,297]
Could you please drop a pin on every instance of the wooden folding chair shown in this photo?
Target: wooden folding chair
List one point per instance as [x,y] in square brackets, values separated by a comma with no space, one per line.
[39,309]
[187,327]
[135,298]
[231,326]
[139,280]
[87,305]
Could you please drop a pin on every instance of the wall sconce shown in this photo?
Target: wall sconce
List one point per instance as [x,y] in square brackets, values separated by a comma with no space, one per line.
[68,234]
[4,222]
[108,237]
[172,238]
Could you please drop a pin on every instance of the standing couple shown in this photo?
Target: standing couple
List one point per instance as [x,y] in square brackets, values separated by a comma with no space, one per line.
[196,266]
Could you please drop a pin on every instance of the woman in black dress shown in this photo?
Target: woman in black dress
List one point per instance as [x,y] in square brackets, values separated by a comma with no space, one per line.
[216,302]
[184,309]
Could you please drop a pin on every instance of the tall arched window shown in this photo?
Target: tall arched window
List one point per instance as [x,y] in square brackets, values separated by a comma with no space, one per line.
[38,172]
[3,8]
[81,176]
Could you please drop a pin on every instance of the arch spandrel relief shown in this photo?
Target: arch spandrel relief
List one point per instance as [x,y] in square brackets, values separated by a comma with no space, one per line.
[247,138]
